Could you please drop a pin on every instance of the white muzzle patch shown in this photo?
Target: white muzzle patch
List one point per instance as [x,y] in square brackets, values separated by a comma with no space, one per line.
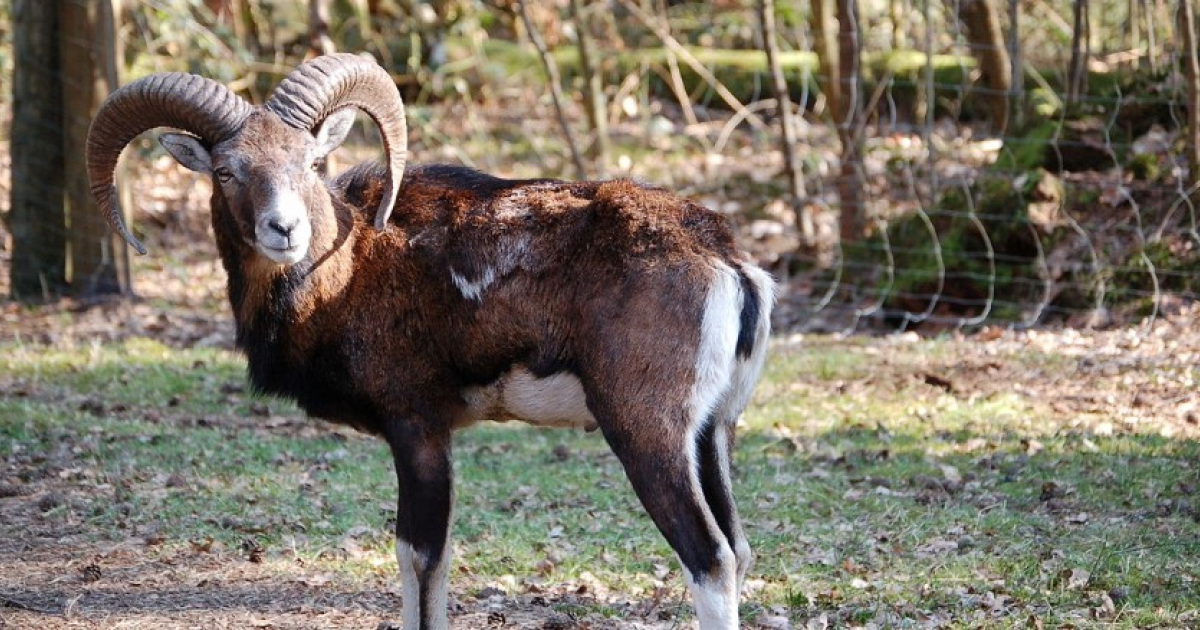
[282,231]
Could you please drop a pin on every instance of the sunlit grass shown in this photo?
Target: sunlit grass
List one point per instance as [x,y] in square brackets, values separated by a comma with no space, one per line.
[869,494]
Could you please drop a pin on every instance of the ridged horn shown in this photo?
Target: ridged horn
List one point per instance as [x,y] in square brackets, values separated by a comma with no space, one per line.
[184,101]
[326,84]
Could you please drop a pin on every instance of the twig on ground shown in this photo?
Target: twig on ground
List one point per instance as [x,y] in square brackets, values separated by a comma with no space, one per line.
[7,601]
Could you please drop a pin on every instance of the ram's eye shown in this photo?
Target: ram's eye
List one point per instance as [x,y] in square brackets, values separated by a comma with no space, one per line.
[318,165]
[223,174]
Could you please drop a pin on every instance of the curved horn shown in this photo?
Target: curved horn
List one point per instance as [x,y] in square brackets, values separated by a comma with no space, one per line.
[184,101]
[326,84]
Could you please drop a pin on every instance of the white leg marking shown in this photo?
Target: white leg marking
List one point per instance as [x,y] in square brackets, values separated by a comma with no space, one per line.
[412,564]
[439,591]
[410,585]
[715,598]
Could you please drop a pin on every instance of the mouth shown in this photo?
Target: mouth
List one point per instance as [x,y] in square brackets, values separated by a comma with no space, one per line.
[283,255]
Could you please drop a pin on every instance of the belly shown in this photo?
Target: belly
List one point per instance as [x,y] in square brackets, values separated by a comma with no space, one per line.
[554,401]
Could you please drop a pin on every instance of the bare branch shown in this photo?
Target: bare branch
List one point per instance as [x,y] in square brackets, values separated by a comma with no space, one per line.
[661,31]
[766,18]
[552,77]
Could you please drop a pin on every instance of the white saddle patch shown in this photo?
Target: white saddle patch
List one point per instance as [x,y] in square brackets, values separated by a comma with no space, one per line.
[473,289]
[555,401]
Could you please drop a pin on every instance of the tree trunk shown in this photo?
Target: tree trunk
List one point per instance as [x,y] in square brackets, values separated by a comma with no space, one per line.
[593,88]
[897,14]
[791,162]
[1080,51]
[986,39]
[37,219]
[825,44]
[1191,65]
[99,259]
[848,118]
[1016,106]
[222,10]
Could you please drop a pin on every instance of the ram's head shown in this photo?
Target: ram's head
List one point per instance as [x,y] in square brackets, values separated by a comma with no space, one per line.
[262,159]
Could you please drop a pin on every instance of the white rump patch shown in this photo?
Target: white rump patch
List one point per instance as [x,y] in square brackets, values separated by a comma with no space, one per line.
[555,401]
[718,341]
[747,371]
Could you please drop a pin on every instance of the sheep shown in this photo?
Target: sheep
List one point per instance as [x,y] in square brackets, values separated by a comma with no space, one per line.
[412,310]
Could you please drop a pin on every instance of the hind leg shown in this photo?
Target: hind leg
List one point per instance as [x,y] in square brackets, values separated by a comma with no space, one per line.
[666,477]
[714,456]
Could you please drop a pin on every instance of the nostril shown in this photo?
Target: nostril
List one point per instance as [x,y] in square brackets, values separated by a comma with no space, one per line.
[284,229]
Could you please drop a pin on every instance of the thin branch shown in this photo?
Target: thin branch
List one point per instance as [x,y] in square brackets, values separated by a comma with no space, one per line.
[593,87]
[660,30]
[791,161]
[1187,26]
[552,77]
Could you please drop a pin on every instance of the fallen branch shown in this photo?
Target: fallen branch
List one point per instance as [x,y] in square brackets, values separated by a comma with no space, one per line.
[9,602]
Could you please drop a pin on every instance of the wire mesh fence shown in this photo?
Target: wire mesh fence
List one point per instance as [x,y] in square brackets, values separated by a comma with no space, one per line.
[1057,195]
[1075,209]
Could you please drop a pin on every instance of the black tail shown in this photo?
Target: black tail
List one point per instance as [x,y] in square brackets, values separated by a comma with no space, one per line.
[748,332]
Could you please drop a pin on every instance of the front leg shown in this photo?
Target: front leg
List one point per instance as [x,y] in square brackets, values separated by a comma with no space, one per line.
[425,476]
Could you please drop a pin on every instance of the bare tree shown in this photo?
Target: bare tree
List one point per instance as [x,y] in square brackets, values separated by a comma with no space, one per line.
[986,39]
[825,31]
[1191,64]
[838,46]
[593,87]
[99,261]
[1077,78]
[38,218]
[791,161]
[552,77]
[848,118]
[240,16]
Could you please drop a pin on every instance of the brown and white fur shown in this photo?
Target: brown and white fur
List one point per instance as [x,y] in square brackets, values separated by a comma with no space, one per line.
[608,305]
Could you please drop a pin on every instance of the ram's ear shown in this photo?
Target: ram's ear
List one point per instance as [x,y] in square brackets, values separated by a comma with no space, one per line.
[188,151]
[333,131]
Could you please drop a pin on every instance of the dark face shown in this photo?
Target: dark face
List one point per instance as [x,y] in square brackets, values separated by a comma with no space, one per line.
[267,174]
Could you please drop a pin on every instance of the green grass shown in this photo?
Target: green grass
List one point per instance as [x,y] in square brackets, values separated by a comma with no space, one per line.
[869,496]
